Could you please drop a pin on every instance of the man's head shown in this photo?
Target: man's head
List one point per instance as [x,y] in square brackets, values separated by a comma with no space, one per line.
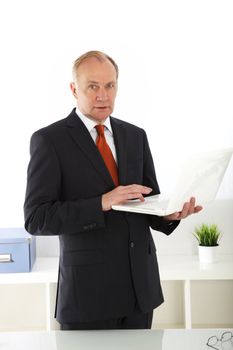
[95,77]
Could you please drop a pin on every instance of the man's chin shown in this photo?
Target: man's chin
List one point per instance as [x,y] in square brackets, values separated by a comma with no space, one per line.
[101,113]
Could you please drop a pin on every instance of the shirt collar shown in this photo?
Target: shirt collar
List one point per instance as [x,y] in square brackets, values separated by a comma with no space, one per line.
[90,124]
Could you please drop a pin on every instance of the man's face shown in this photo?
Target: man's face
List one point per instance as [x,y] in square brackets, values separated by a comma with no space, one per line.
[95,88]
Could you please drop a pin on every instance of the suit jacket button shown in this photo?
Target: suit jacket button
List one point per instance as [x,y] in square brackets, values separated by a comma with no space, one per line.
[131,244]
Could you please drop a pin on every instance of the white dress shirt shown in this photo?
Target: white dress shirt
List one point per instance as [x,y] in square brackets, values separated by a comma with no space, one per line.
[90,125]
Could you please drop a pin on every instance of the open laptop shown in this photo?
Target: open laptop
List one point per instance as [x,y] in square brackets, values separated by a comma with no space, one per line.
[200,177]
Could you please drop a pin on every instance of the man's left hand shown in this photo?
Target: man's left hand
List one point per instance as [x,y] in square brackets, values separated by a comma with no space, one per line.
[189,208]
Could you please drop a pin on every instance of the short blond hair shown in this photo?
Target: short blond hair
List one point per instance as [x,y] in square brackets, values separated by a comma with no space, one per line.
[99,55]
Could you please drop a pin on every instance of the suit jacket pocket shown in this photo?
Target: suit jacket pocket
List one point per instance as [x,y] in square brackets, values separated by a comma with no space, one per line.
[82,257]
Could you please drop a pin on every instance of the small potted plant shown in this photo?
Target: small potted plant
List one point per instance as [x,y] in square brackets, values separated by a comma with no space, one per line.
[208,237]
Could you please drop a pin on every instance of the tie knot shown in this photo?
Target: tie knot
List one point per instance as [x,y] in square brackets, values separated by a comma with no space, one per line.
[100,129]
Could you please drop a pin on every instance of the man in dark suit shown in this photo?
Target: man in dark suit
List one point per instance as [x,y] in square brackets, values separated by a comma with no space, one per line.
[108,272]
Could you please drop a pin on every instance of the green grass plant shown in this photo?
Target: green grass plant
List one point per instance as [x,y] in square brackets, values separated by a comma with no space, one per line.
[207,235]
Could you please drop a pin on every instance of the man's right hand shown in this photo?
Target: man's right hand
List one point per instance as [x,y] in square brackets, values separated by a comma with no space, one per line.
[122,194]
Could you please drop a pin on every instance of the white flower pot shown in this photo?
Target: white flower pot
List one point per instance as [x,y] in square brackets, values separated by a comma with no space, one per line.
[208,255]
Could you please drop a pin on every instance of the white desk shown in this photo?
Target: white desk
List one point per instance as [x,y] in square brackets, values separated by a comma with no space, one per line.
[114,340]
[183,269]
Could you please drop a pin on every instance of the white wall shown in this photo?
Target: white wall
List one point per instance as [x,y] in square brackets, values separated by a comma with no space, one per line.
[182,241]
[176,74]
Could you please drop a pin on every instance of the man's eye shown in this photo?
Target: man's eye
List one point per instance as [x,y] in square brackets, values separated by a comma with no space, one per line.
[111,86]
[93,87]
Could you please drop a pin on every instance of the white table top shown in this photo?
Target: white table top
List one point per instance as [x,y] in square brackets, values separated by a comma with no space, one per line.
[188,267]
[114,340]
[172,267]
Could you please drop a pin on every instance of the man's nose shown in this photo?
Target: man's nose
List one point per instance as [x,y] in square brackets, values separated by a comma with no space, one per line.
[102,95]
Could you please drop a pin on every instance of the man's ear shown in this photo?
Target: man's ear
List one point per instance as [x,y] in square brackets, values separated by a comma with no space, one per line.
[73,89]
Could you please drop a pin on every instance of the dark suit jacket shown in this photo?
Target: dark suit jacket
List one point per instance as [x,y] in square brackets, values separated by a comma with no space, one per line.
[107,259]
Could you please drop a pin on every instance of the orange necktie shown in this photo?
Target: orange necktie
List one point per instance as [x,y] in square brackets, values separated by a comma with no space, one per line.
[106,154]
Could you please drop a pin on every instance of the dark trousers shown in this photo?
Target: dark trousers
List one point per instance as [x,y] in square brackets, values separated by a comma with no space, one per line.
[137,320]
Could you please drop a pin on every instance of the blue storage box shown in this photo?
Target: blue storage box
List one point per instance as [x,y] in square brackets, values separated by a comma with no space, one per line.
[17,250]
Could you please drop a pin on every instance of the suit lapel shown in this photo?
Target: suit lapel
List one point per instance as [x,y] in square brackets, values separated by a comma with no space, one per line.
[121,149]
[83,139]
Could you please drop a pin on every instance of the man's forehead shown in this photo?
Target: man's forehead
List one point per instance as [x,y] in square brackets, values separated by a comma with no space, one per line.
[97,79]
[100,81]
[95,61]
[93,69]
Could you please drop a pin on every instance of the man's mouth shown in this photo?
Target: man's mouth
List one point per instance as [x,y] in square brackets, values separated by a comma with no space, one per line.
[104,107]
